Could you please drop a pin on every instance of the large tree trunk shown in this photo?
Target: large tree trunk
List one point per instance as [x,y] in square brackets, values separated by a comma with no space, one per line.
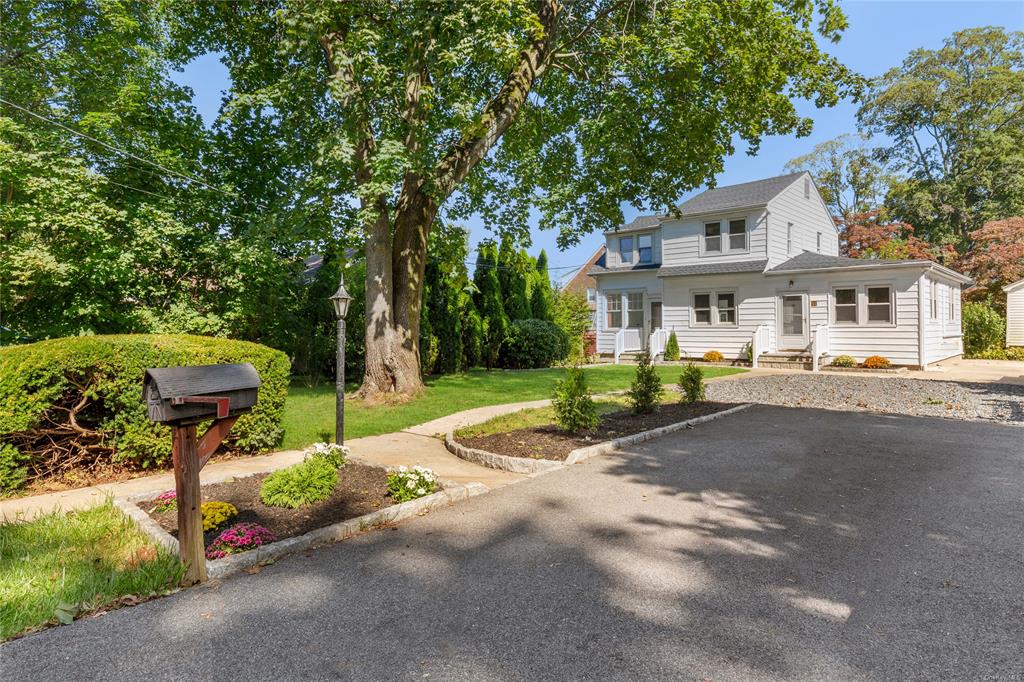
[394,298]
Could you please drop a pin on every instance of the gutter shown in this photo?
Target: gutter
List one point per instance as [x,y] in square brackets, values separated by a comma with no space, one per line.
[924,264]
[683,216]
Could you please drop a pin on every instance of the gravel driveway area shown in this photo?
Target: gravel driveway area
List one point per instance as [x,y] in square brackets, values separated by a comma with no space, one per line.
[893,395]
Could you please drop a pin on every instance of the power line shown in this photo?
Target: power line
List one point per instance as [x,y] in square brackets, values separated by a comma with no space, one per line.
[127,153]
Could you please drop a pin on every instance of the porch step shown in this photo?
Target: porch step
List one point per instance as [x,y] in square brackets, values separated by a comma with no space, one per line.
[777,360]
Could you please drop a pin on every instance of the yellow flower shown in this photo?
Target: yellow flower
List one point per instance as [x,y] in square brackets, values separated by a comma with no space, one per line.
[216,514]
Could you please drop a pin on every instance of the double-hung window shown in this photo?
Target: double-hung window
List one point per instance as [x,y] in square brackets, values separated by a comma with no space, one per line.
[738,235]
[880,304]
[613,303]
[645,250]
[713,237]
[626,249]
[591,295]
[635,310]
[935,300]
[714,308]
[846,305]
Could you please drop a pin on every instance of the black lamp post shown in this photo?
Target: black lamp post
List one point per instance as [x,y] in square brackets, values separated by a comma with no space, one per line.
[340,301]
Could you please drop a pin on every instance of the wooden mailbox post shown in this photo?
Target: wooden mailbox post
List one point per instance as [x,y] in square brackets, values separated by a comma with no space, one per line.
[181,397]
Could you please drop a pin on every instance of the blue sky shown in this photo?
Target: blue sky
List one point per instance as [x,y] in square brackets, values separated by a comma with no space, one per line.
[881,34]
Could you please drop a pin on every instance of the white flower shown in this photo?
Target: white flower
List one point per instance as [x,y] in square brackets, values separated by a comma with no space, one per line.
[421,491]
[410,484]
[402,469]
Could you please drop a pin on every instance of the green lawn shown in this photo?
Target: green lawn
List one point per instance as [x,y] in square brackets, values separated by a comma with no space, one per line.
[309,412]
[62,564]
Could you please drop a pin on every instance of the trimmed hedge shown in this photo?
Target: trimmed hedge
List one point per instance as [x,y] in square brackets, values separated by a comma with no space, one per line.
[73,404]
[533,344]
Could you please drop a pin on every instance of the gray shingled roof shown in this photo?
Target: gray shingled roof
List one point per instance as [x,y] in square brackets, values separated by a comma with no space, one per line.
[816,261]
[725,198]
[713,268]
[756,193]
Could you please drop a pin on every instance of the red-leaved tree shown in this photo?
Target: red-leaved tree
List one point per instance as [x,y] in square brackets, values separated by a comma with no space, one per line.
[870,235]
[997,258]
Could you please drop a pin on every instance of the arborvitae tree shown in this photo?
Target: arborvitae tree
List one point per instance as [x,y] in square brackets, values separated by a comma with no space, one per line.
[672,347]
[541,297]
[512,273]
[445,280]
[472,334]
[486,261]
[491,308]
[645,392]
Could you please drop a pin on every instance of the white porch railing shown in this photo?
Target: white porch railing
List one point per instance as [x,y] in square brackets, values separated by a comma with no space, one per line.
[626,340]
[821,344]
[760,343]
[656,344]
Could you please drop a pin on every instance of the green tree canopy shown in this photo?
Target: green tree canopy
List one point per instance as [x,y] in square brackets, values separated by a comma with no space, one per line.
[424,109]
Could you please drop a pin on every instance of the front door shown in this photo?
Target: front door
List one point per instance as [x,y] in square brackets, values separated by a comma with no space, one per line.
[794,322]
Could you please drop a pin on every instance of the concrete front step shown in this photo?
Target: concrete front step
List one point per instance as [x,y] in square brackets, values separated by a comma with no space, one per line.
[786,361]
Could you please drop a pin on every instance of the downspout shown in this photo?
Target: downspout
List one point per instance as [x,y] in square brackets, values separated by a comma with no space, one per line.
[921,359]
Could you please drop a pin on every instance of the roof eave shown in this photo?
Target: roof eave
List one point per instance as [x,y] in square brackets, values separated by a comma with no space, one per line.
[1013,287]
[717,211]
[922,264]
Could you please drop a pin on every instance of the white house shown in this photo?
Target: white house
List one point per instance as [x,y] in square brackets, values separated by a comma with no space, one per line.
[1014,314]
[755,268]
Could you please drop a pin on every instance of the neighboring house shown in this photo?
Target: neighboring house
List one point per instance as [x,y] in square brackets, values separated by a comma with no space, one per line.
[583,282]
[755,268]
[1014,314]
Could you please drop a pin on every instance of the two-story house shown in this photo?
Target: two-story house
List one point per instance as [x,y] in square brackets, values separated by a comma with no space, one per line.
[754,269]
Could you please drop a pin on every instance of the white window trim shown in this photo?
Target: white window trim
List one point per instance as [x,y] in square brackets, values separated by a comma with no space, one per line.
[934,302]
[892,304]
[623,296]
[723,236]
[651,247]
[632,248]
[856,305]
[713,295]
[608,311]
[789,238]
[626,309]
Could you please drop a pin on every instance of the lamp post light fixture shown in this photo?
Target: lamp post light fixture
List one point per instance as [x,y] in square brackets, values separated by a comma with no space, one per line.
[340,300]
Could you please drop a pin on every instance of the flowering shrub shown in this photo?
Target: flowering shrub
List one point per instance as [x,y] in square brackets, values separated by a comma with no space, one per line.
[408,484]
[713,356]
[877,362]
[844,361]
[239,538]
[216,514]
[166,501]
[332,452]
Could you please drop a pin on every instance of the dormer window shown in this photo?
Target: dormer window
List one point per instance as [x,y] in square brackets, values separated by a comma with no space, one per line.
[626,249]
[738,235]
[645,249]
[713,237]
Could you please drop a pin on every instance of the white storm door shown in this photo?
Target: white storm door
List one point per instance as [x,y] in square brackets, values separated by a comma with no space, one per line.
[793,334]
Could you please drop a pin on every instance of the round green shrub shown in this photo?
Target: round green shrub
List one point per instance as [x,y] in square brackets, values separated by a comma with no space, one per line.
[534,343]
[844,361]
[984,329]
[100,378]
[311,480]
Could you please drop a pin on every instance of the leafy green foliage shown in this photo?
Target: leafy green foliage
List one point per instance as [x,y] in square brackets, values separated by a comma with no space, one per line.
[846,361]
[984,329]
[541,296]
[533,344]
[644,393]
[408,484]
[691,384]
[574,407]
[574,317]
[489,302]
[672,347]
[97,380]
[311,480]
[13,472]
[445,300]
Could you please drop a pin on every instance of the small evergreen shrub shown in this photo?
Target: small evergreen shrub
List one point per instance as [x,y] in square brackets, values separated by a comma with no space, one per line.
[713,356]
[239,538]
[672,347]
[13,472]
[406,484]
[877,362]
[984,329]
[534,344]
[691,383]
[311,480]
[574,408]
[645,392]
[844,361]
[99,380]
[217,514]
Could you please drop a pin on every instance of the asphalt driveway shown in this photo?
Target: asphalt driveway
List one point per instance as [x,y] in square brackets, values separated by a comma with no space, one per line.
[777,543]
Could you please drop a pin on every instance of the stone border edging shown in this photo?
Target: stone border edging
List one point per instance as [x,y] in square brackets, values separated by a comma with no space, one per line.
[523,465]
[865,370]
[336,532]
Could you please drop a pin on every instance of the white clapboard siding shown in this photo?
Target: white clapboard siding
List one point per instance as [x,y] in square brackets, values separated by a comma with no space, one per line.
[681,239]
[1015,314]
[618,283]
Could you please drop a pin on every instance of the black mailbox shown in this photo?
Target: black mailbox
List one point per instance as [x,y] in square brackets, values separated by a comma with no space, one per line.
[180,395]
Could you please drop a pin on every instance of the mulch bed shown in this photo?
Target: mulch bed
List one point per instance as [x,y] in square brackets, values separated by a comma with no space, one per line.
[361,490]
[550,442]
